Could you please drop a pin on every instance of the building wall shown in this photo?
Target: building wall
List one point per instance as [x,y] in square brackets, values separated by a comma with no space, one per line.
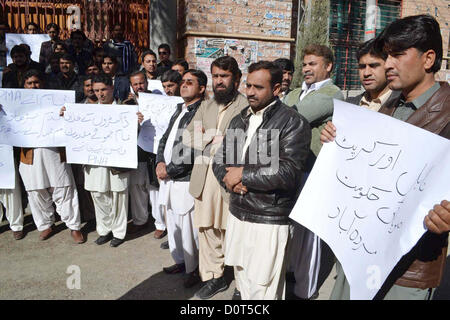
[249,30]
[440,10]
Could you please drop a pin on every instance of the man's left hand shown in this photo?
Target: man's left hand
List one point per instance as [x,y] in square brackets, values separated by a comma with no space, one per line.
[233,177]
[438,219]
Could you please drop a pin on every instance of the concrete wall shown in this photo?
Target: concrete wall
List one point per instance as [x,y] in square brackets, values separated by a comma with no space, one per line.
[163,24]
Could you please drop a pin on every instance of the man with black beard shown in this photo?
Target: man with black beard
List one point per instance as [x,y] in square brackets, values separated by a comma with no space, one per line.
[205,134]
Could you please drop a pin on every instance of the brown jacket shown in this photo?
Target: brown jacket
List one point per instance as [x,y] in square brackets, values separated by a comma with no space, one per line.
[423,266]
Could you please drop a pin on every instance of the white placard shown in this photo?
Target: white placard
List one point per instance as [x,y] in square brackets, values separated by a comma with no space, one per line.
[370,190]
[157,111]
[102,135]
[153,85]
[33,40]
[7,170]
[30,117]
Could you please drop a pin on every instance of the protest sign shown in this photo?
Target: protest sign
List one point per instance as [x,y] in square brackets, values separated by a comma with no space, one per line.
[30,117]
[157,110]
[370,190]
[102,135]
[7,170]
[33,40]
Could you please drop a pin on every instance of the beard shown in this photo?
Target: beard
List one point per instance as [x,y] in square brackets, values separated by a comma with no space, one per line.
[223,97]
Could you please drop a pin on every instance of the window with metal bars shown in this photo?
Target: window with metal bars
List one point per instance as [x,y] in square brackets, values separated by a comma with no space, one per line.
[346,32]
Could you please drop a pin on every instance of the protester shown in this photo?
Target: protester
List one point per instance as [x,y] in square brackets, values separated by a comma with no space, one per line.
[413,46]
[80,55]
[121,83]
[148,59]
[171,80]
[47,47]
[14,76]
[204,133]
[180,65]
[122,49]
[288,69]
[258,226]
[164,59]
[49,181]
[174,168]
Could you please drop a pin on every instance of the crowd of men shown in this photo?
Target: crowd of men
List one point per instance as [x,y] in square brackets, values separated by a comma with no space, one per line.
[209,188]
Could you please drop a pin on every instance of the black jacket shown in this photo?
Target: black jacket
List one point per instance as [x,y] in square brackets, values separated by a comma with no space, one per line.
[272,191]
[180,166]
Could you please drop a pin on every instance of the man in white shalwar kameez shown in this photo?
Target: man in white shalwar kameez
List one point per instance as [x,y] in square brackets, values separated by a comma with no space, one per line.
[174,169]
[48,179]
[108,186]
[11,199]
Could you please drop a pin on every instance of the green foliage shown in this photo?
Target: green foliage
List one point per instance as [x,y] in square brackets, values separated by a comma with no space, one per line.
[313,29]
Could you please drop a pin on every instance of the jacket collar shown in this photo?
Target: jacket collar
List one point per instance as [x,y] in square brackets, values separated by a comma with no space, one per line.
[245,114]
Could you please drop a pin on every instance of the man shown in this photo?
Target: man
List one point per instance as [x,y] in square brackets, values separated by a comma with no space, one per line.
[31,63]
[180,65]
[148,59]
[67,79]
[122,49]
[98,54]
[171,80]
[139,178]
[174,167]
[47,47]
[14,78]
[262,194]
[80,54]
[288,69]
[373,78]
[205,133]
[164,59]
[49,181]
[88,91]
[110,67]
[92,68]
[414,54]
[4,28]
[11,199]
[310,257]
[31,28]
[108,186]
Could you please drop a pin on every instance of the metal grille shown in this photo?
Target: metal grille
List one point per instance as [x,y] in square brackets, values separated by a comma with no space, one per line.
[97,16]
[347,20]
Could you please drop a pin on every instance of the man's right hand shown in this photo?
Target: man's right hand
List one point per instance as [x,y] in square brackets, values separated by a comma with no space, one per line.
[61,112]
[328,133]
[161,171]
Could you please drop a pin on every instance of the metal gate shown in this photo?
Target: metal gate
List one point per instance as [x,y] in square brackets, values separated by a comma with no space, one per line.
[96,17]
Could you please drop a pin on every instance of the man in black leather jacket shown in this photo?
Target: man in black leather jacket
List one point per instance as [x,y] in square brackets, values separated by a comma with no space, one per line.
[174,167]
[261,164]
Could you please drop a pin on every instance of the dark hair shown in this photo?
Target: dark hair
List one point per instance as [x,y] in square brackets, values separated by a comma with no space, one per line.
[33,73]
[276,74]
[228,63]
[31,24]
[201,78]
[164,46]
[112,57]
[320,51]
[135,73]
[27,47]
[85,78]
[81,33]
[94,52]
[147,52]
[19,49]
[102,78]
[68,57]
[199,74]
[284,64]
[61,43]
[368,47]
[172,76]
[421,32]
[55,55]
[52,25]
[182,63]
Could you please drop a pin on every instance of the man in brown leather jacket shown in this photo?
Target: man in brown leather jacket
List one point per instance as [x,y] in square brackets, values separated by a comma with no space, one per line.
[414,48]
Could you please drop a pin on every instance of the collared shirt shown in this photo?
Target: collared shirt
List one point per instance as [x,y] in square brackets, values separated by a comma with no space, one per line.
[312,87]
[374,104]
[256,118]
[405,109]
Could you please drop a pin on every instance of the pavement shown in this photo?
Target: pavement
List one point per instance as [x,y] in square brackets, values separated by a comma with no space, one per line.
[57,268]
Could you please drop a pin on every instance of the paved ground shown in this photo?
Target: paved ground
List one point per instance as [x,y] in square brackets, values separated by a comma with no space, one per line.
[33,269]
